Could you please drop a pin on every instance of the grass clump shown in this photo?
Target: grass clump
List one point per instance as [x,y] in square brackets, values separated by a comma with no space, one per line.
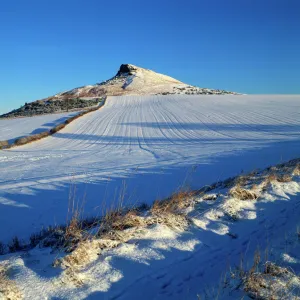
[174,204]
[266,280]
[296,171]
[242,193]
[4,145]
[8,289]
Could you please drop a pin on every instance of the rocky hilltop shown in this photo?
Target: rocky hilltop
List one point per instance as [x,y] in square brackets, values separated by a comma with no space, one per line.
[129,80]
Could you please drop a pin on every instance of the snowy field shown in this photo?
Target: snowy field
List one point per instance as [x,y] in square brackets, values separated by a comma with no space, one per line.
[140,149]
[11,129]
[163,262]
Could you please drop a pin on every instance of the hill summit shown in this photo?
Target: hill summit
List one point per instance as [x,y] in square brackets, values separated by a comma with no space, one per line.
[129,80]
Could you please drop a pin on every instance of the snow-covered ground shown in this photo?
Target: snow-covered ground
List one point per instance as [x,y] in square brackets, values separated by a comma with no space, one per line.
[142,148]
[164,262]
[11,129]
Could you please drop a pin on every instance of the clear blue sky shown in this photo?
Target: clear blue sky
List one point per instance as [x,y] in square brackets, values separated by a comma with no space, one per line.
[250,46]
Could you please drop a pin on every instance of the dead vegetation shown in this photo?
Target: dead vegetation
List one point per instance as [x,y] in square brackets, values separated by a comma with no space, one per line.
[267,281]
[296,171]
[31,138]
[4,144]
[119,226]
[174,204]
[57,128]
[8,289]
[242,193]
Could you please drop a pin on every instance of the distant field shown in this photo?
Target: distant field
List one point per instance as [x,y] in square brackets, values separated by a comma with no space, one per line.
[11,129]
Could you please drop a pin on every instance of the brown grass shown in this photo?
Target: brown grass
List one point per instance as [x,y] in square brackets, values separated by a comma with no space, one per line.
[284,178]
[265,280]
[296,171]
[273,177]
[4,144]
[174,204]
[117,220]
[242,194]
[119,226]
[8,289]
[57,128]
[30,138]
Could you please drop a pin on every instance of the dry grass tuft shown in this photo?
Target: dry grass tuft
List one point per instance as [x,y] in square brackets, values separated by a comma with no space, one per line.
[284,178]
[8,289]
[122,221]
[176,221]
[4,145]
[273,177]
[119,226]
[296,171]
[268,281]
[242,180]
[242,194]
[174,204]
[274,270]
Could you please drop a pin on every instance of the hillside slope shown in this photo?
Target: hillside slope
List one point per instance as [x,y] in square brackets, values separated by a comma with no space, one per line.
[214,243]
[140,148]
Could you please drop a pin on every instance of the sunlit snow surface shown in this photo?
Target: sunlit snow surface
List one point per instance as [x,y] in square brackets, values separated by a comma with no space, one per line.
[143,148]
[19,127]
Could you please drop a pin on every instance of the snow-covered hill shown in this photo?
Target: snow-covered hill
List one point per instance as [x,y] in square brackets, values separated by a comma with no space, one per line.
[133,80]
[129,80]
